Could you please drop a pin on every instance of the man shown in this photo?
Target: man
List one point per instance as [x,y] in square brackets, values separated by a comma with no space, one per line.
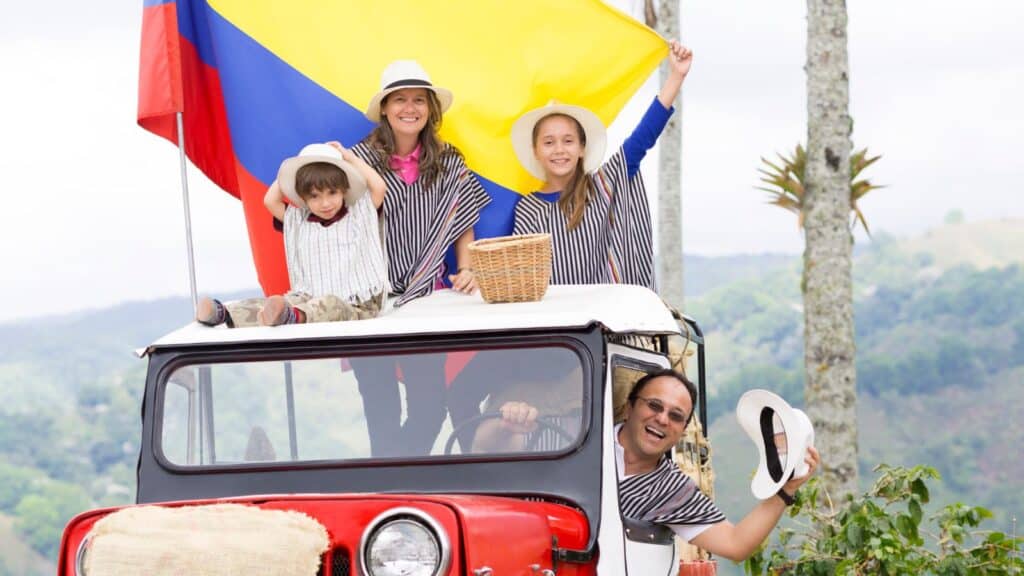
[652,488]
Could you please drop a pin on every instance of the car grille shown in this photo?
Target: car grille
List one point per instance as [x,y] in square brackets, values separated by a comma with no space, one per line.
[339,562]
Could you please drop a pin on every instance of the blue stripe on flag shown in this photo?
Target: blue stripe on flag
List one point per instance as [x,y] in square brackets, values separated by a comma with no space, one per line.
[193,25]
[273,110]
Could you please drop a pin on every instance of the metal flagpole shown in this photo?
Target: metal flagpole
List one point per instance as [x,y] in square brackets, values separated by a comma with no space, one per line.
[188,213]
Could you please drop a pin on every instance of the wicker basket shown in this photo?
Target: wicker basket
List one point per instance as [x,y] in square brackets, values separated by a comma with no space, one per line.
[512,268]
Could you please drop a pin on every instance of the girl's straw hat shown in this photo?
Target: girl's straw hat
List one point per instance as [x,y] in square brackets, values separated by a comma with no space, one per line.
[593,128]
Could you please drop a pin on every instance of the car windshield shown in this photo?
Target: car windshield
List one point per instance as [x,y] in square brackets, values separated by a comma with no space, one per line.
[438,404]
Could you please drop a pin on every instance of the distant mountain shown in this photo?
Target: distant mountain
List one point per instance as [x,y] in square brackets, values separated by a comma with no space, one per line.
[704,273]
[987,244]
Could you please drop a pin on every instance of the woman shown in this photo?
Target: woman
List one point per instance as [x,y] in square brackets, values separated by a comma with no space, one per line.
[597,214]
[432,202]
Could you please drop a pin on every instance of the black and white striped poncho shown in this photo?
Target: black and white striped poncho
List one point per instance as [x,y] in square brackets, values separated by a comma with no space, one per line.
[666,495]
[612,243]
[422,222]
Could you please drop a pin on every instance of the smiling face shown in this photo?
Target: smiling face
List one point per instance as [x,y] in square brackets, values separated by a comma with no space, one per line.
[559,145]
[325,203]
[648,433]
[407,110]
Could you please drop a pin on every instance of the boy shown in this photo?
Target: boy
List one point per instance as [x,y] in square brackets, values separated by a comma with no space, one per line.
[332,244]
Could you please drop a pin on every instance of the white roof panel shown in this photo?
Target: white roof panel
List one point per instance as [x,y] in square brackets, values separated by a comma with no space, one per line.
[619,307]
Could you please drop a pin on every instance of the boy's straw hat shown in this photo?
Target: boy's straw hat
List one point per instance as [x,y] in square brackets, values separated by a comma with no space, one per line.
[593,128]
[763,415]
[405,74]
[319,153]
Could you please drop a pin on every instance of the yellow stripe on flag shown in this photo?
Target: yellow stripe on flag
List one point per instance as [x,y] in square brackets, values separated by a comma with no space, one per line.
[500,58]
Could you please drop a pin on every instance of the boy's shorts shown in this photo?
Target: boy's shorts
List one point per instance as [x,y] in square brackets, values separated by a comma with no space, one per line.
[328,308]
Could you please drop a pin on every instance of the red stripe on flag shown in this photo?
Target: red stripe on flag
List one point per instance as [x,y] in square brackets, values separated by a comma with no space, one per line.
[172,78]
[267,244]
[159,71]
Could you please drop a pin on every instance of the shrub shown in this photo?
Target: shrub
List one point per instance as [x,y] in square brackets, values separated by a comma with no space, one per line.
[881,532]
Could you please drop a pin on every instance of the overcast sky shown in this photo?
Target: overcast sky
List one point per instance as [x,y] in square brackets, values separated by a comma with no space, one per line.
[95,201]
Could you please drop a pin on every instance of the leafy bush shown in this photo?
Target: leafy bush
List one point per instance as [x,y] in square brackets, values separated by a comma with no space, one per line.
[881,532]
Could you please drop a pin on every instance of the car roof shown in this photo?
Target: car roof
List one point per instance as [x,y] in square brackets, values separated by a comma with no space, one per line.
[619,308]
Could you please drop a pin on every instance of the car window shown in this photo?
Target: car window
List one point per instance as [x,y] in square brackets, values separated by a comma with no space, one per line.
[414,405]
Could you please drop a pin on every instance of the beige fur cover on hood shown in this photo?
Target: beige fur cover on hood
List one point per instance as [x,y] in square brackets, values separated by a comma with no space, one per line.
[214,540]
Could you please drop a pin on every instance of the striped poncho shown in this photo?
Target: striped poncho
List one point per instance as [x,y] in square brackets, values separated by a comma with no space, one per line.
[421,222]
[613,242]
[665,495]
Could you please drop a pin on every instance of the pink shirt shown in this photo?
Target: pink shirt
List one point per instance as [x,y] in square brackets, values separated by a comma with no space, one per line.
[408,166]
[408,169]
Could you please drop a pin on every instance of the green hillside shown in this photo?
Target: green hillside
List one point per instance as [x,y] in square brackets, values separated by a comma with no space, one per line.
[940,361]
[940,335]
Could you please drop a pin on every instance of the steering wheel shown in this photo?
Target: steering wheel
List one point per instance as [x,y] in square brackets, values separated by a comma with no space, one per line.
[542,422]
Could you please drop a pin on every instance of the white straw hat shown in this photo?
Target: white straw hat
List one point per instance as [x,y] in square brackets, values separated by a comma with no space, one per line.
[782,435]
[319,153]
[593,128]
[405,74]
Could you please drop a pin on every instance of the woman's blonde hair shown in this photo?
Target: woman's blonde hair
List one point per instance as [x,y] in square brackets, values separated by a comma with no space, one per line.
[432,149]
[578,193]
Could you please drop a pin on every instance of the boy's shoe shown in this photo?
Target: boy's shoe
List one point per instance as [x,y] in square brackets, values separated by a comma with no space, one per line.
[211,312]
[276,312]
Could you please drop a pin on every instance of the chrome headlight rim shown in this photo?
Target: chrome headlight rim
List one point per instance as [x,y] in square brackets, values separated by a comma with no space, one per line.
[83,549]
[426,520]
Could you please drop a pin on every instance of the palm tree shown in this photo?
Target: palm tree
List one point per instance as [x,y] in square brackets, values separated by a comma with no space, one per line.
[665,19]
[830,388]
[786,183]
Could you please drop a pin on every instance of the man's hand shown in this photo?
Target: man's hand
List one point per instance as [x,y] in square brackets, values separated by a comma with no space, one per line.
[812,459]
[518,417]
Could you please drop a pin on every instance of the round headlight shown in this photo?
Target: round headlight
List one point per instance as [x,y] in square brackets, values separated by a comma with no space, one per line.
[83,549]
[404,542]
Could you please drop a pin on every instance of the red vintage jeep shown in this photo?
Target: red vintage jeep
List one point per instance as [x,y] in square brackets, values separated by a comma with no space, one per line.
[273,418]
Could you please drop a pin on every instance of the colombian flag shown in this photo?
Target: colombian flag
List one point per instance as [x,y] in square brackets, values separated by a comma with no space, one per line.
[258,79]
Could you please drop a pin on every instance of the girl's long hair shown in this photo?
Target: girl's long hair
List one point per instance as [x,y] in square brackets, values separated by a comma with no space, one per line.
[432,149]
[577,195]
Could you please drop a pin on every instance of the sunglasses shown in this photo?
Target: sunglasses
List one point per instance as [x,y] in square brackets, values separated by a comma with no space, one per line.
[657,406]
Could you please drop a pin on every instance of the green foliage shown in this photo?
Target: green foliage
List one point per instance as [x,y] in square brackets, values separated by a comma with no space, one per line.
[786,183]
[884,531]
[15,483]
[40,517]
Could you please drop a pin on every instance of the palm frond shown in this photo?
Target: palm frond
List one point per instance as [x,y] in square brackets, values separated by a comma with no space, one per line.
[863,222]
[785,182]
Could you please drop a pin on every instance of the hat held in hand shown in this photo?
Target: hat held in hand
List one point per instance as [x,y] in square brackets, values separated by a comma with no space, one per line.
[782,435]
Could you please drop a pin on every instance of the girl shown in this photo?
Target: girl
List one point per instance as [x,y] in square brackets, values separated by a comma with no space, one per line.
[597,214]
[432,202]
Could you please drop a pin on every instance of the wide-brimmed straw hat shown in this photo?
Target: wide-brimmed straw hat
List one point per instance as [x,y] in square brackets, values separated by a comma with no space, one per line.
[593,128]
[319,153]
[405,74]
[763,415]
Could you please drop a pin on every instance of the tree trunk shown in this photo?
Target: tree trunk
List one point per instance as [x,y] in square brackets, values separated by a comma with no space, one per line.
[829,348]
[670,206]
